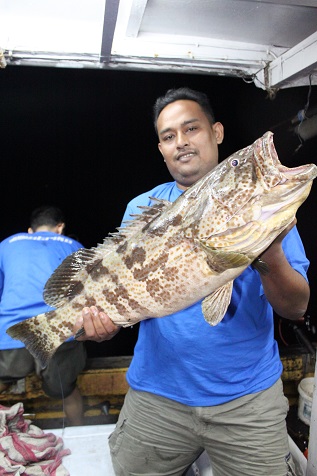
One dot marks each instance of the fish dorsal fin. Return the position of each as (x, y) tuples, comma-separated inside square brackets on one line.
[(67, 280), (157, 206), (147, 215), (220, 261), (215, 305)]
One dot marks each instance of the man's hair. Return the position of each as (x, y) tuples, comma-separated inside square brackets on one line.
[(173, 95), (46, 216)]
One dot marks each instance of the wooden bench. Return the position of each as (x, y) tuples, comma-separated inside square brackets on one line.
[(102, 384), (103, 387)]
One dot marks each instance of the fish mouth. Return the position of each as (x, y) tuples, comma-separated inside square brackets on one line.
[(272, 171), (301, 173)]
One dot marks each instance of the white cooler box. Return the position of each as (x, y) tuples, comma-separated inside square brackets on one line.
[(90, 453)]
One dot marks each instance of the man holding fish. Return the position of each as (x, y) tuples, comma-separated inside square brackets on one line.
[(194, 386)]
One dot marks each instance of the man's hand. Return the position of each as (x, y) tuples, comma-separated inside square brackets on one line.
[(276, 246), (97, 325), (286, 290)]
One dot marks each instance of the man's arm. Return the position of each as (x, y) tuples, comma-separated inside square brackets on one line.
[(285, 288)]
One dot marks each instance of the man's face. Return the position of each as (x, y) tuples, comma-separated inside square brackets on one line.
[(188, 142)]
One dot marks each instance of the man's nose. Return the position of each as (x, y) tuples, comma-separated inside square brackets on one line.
[(181, 140)]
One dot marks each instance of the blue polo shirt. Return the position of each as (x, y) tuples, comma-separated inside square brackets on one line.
[(26, 262), (183, 358)]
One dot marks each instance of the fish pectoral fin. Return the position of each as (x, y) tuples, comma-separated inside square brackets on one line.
[(220, 261), (215, 306), (261, 266)]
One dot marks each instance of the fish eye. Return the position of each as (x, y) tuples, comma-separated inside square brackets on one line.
[(234, 162)]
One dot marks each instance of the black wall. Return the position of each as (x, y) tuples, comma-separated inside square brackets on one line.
[(83, 140)]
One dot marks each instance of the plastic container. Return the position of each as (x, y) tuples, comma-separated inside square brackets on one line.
[(305, 390)]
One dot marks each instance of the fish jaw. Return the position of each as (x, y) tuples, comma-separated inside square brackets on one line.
[(271, 171), (287, 197), (280, 204)]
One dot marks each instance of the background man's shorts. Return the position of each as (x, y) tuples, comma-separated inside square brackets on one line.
[(60, 375)]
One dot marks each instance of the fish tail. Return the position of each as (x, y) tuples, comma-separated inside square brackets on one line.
[(40, 336)]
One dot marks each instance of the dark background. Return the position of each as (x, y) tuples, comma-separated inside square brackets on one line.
[(83, 140)]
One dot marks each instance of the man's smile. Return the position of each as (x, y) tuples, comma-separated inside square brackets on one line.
[(185, 156)]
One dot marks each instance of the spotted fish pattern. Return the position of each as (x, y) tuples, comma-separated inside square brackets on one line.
[(172, 255)]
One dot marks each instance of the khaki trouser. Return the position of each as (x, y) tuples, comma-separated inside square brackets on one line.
[(245, 437)]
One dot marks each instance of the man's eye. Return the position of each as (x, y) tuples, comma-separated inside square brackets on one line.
[(167, 138), (192, 128)]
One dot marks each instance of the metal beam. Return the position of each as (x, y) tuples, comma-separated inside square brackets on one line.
[(109, 25), (297, 61), (135, 17)]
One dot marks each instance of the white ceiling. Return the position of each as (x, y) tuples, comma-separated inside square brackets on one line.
[(273, 43)]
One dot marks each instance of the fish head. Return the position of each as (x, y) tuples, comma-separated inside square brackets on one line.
[(251, 190), (284, 188)]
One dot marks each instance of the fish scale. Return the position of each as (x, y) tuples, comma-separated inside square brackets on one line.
[(173, 255)]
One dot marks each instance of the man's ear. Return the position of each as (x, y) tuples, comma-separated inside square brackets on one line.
[(219, 131), (30, 230), (60, 228), (160, 149)]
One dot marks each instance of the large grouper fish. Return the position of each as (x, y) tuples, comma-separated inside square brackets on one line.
[(175, 254)]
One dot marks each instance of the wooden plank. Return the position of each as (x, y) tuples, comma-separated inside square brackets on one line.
[(101, 377), (103, 382)]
